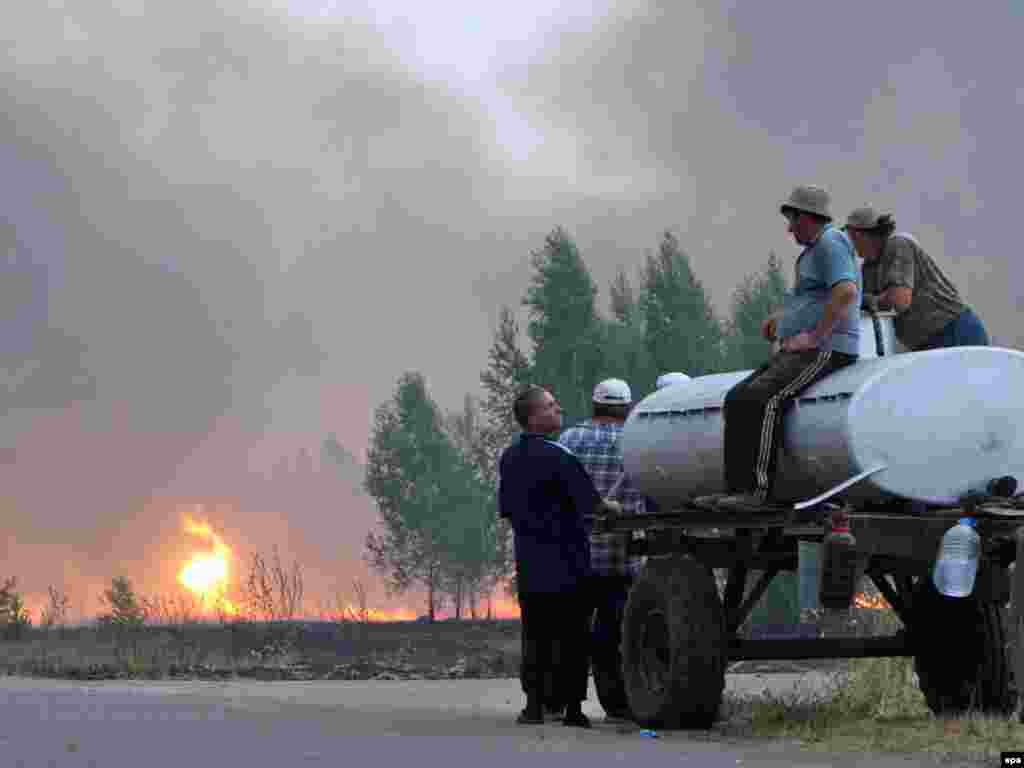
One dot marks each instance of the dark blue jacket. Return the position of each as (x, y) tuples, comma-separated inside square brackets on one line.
[(544, 491)]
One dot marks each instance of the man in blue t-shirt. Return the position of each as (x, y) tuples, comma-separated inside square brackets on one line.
[(819, 329)]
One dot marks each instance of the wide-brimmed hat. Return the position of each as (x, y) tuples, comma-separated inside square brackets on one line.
[(864, 217), (810, 199), (613, 392)]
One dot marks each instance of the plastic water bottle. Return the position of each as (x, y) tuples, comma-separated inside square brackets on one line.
[(957, 563), (839, 565)]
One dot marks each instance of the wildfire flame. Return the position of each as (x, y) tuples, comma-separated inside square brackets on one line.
[(861, 600), (207, 574)]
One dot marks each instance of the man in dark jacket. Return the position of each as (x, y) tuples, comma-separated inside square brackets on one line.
[(545, 493)]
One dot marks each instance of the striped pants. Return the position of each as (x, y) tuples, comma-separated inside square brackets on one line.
[(753, 415)]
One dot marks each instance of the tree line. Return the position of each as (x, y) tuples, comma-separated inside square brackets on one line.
[(433, 475)]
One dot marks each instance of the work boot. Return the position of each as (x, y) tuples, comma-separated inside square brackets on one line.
[(554, 710), (530, 718), (575, 718), (533, 713), (618, 715)]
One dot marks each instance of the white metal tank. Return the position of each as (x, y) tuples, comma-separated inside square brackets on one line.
[(941, 423)]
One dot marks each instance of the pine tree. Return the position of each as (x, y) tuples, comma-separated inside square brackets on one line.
[(564, 326), (754, 300), (508, 371), (681, 332), (625, 352)]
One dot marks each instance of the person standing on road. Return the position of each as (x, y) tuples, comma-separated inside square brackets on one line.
[(596, 442), (900, 275), (820, 333), (545, 493)]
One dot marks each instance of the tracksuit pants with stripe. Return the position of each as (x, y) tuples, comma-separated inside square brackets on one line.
[(753, 415)]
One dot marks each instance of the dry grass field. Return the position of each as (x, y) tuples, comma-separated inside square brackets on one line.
[(297, 650)]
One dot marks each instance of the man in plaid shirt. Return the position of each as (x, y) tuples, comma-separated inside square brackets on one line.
[(595, 442)]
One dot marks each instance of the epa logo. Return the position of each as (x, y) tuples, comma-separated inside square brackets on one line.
[(1013, 758)]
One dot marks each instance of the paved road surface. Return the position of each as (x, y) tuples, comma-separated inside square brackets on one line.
[(366, 724)]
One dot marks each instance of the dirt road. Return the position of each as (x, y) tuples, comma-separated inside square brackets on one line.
[(374, 724)]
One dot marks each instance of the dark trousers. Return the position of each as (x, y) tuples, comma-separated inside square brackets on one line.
[(610, 593), (753, 415), (556, 645), (966, 330)]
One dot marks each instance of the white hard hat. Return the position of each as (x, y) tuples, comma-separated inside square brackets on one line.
[(613, 392), (667, 379)]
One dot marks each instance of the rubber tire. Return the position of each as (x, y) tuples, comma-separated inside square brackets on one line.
[(961, 656), (678, 596)]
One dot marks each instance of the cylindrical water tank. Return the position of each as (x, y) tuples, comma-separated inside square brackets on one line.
[(942, 423)]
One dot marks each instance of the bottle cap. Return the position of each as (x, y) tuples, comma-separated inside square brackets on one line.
[(840, 521), (968, 521)]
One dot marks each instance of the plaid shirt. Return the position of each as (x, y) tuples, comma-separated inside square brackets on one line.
[(596, 445)]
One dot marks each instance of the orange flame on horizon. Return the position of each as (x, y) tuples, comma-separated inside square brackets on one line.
[(861, 600), (207, 574)]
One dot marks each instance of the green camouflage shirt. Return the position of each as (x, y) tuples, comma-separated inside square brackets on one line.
[(935, 301)]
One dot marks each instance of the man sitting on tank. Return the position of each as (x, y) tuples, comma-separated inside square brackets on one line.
[(819, 330), (899, 275)]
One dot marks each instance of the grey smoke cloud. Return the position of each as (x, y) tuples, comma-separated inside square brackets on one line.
[(728, 105), (217, 208), (228, 229)]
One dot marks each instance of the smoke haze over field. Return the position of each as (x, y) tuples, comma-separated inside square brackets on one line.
[(230, 228)]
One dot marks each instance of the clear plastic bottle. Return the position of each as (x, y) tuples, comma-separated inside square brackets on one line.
[(957, 563)]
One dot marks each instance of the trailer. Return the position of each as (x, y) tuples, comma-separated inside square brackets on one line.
[(903, 464)]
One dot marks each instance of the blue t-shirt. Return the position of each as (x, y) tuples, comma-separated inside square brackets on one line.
[(831, 259)]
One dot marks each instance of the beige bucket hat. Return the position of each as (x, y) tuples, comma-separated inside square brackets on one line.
[(809, 198), (864, 217)]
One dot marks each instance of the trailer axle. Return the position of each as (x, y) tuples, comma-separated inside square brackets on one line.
[(820, 648)]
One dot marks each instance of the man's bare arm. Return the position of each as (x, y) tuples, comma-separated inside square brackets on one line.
[(842, 296)]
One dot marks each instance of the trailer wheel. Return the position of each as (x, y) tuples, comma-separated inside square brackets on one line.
[(674, 645), (961, 656)]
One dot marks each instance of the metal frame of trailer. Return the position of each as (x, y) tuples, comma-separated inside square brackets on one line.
[(680, 633)]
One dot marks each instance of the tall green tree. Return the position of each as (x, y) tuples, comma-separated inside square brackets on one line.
[(432, 503), (508, 371), (480, 559), (755, 299), (625, 352), (403, 468), (564, 326), (681, 332)]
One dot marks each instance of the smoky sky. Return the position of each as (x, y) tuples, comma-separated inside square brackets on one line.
[(228, 229)]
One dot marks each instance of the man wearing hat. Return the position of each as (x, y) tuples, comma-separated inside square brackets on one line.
[(900, 275), (819, 330), (596, 443)]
